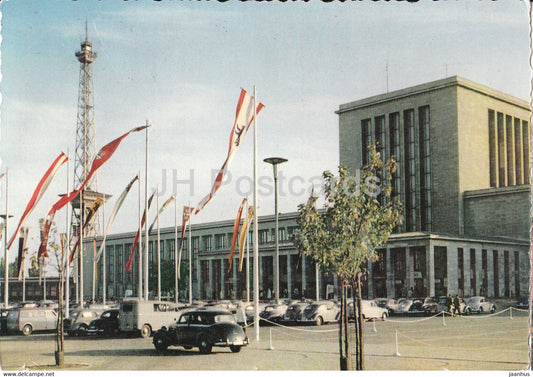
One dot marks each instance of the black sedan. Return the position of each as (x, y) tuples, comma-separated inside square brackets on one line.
[(106, 325), (203, 329)]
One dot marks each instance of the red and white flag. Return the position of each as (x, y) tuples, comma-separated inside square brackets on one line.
[(163, 207), (39, 192), (136, 241), (187, 211), (101, 157), (235, 235), (243, 119), (117, 206)]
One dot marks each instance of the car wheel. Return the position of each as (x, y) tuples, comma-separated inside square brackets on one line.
[(492, 309), (159, 343), (146, 331), (384, 316), (468, 311), (204, 345), (235, 349), (319, 321), (82, 331), (480, 310), (188, 347), (27, 330)]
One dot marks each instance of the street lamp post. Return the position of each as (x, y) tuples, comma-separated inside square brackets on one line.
[(275, 161)]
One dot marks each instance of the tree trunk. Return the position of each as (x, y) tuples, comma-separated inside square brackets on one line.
[(343, 355), (346, 328), (59, 355), (359, 327)]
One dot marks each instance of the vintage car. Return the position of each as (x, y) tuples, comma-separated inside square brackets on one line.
[(106, 325), (319, 312), (273, 313), (294, 310), (79, 319), (203, 329), (403, 306), (479, 304), (441, 306), (430, 305), (28, 320), (369, 310), (522, 303)]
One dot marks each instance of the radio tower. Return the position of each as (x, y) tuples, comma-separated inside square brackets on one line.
[(85, 152)]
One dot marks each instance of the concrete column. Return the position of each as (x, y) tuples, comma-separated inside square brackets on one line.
[(289, 275), (430, 261), (451, 261), (209, 291), (490, 273), (512, 288), (319, 282), (408, 273), (388, 270), (235, 285), (222, 284)]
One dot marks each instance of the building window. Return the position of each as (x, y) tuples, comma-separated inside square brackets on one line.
[(120, 263), (207, 242), (220, 241), (366, 129), (519, 169), (501, 150), (460, 270), (441, 270), (506, 274), (410, 171), (425, 168), (492, 150), (517, 274), (525, 147), (473, 271), (263, 236), (395, 152), (485, 273), (509, 137), (496, 272)]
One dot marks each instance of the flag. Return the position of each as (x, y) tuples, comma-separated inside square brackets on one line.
[(101, 157), (243, 119), (165, 205), (90, 214), (243, 234), (39, 192), (117, 206), (236, 224), (22, 250), (187, 211), (136, 241)]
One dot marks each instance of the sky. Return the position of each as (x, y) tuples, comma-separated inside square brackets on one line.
[(180, 65)]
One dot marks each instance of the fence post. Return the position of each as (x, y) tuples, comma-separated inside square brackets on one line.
[(397, 353), (443, 321), (271, 346), (374, 325), (511, 312)]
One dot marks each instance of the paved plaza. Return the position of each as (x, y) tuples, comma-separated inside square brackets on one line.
[(480, 342)]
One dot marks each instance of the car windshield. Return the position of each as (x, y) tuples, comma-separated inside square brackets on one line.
[(224, 318)]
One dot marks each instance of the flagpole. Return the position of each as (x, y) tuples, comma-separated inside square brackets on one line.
[(80, 253), (247, 265), (104, 273), (146, 209), (158, 250), (176, 249), (6, 263), (190, 259), (67, 267), (94, 267), (140, 272), (256, 243)]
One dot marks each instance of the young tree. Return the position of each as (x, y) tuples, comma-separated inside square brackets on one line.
[(168, 274), (359, 215)]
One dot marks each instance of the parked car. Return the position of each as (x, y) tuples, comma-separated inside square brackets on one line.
[(388, 303), (3, 320), (79, 319), (392, 305), (369, 310), (203, 329), (479, 304), (273, 313), (430, 305), (523, 303), (28, 320), (417, 307), (249, 310), (319, 313), (403, 306), (293, 311), (107, 324), (441, 306)]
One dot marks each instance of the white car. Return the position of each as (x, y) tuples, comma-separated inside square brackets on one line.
[(479, 304), (369, 309)]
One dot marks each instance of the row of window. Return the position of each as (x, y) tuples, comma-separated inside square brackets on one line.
[(223, 240), (508, 150), (406, 138)]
